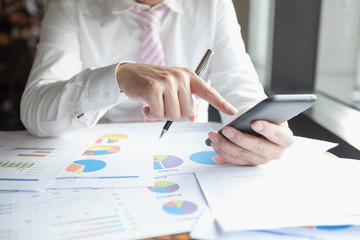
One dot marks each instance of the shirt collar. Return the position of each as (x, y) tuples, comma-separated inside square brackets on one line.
[(124, 5)]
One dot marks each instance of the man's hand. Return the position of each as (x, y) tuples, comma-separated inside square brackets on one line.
[(167, 90), (246, 149)]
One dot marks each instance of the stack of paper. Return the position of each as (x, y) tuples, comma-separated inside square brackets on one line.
[(117, 181), (171, 206), (207, 228), (283, 198)]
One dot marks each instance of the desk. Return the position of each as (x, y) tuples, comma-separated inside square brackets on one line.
[(183, 236), (302, 125)]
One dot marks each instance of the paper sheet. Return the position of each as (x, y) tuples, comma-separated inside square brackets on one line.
[(171, 206), (30, 163), (183, 150), (119, 155), (206, 228), (308, 190), (123, 155)]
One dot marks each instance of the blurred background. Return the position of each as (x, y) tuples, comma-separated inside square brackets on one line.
[(296, 46), (303, 45), (19, 33)]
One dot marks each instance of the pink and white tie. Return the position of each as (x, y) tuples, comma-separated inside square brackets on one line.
[(152, 51)]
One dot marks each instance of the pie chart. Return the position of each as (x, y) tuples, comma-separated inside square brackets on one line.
[(101, 150), (180, 207), (111, 138), (166, 161), (207, 158), (164, 187), (83, 166)]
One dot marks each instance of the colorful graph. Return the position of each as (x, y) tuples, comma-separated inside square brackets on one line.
[(63, 199), (89, 227), (16, 165), (111, 138), (166, 161), (180, 207), (83, 166), (314, 232), (164, 187), (101, 150), (331, 228), (32, 152), (208, 158)]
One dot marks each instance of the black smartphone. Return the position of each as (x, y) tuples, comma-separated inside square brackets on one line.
[(275, 109)]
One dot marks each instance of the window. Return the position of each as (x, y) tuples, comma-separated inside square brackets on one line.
[(338, 61), (311, 46)]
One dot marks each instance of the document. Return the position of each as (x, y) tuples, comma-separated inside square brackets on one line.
[(118, 155), (171, 206), (119, 181), (312, 189), (183, 150), (207, 228), (30, 163)]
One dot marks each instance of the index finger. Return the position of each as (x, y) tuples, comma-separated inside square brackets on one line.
[(208, 93)]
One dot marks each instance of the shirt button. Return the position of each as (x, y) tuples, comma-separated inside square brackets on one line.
[(106, 95)]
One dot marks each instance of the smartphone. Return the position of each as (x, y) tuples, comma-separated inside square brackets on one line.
[(275, 109)]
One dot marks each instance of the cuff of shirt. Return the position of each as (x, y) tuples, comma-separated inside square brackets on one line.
[(103, 94), (103, 88), (117, 68)]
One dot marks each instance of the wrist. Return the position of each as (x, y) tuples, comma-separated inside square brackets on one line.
[(118, 72)]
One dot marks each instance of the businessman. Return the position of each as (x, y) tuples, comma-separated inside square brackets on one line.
[(131, 60)]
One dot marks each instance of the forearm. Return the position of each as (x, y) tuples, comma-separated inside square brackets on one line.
[(51, 108)]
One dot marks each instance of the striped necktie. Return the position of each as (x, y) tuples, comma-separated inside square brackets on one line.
[(152, 51)]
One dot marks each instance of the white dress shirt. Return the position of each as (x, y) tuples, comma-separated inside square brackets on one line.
[(72, 83)]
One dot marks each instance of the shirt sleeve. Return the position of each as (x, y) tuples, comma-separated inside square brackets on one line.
[(60, 95), (232, 73)]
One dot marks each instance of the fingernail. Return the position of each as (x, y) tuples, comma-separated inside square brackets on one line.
[(213, 137), (258, 126), (232, 108), (228, 133)]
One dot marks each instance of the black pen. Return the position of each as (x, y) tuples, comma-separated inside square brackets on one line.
[(199, 70)]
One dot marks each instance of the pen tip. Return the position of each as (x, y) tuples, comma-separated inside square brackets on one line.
[(162, 133)]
